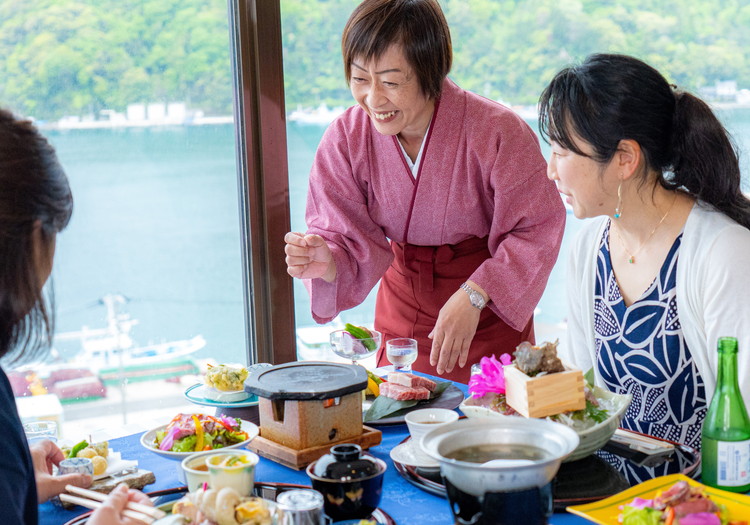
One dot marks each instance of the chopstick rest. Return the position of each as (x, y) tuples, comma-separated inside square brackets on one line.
[(134, 510)]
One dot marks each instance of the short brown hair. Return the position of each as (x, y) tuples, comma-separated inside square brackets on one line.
[(419, 26)]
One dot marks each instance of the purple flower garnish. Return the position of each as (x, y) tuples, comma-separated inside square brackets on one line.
[(228, 421), (492, 378)]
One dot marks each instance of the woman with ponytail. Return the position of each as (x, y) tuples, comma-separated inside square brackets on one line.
[(662, 272)]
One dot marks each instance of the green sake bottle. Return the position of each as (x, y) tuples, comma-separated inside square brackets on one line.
[(725, 440)]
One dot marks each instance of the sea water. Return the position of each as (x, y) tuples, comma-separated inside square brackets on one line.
[(156, 219)]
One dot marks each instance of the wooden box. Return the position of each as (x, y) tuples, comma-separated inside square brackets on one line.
[(299, 459), (302, 424), (545, 395)]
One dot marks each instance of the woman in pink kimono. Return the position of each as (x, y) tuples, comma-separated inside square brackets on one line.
[(437, 192)]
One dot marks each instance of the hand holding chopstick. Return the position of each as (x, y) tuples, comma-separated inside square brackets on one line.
[(94, 500)]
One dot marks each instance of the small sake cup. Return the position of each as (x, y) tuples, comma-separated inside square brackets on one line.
[(76, 466)]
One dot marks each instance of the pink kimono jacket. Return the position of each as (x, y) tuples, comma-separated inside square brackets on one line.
[(482, 175)]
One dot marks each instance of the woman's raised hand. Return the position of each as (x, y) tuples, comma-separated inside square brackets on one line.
[(309, 257)]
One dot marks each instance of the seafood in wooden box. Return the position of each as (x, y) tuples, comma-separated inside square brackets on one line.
[(544, 395)]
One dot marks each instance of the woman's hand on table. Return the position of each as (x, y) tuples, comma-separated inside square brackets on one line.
[(454, 330), (110, 513), (309, 257), (44, 455)]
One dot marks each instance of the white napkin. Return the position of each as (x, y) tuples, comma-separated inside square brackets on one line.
[(116, 464)]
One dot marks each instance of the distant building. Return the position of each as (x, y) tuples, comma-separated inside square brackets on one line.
[(721, 91)]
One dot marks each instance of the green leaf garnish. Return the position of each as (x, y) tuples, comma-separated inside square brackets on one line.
[(384, 406)]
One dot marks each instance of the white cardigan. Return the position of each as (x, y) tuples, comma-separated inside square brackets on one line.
[(713, 293)]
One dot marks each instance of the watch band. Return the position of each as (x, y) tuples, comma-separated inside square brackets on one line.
[(476, 299)]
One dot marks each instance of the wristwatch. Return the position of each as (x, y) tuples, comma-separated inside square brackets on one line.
[(477, 301)]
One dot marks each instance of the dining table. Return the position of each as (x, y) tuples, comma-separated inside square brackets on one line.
[(404, 502)]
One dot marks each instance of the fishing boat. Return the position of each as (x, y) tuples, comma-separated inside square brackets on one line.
[(108, 356), (115, 357)]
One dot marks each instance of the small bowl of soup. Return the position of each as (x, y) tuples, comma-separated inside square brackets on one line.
[(194, 470)]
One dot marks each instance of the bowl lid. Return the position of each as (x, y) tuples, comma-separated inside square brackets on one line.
[(345, 462), (307, 380)]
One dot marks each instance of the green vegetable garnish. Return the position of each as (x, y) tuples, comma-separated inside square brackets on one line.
[(384, 406), (359, 332), (77, 448)]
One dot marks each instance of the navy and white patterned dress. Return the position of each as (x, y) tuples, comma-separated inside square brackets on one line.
[(640, 350)]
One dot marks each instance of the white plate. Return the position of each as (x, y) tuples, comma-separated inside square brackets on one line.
[(408, 453), (196, 394), (116, 464), (148, 440)]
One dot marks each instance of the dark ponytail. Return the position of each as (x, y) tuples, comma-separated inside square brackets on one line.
[(609, 98), (704, 159)]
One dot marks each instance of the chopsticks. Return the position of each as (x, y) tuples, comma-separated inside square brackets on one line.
[(136, 511), (642, 443)]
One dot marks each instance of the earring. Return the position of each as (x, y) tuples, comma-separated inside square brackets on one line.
[(618, 209)]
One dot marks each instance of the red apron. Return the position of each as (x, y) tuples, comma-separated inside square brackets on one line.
[(417, 285)]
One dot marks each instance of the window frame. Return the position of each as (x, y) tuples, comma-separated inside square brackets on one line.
[(263, 178)]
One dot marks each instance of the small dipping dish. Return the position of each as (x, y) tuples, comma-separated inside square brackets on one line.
[(424, 420)]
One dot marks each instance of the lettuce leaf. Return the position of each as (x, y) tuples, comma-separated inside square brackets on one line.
[(644, 516), (186, 444)]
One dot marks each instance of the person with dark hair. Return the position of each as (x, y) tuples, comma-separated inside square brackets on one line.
[(662, 273), (437, 192), (35, 204)]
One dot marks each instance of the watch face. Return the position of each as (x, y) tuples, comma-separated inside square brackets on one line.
[(477, 299)]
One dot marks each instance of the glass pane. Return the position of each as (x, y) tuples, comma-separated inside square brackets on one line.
[(137, 100), (508, 51)]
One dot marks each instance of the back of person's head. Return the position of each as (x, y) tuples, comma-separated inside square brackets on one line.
[(418, 26), (609, 98), (35, 203)]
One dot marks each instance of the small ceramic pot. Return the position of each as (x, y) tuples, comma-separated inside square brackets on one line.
[(76, 466), (351, 482)]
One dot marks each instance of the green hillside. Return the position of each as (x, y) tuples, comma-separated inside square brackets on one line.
[(78, 57)]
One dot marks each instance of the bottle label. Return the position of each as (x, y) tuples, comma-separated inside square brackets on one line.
[(733, 465)]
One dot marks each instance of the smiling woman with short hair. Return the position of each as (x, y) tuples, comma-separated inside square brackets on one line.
[(436, 192)]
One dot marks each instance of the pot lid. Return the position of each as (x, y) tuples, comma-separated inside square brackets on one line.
[(307, 380), (345, 462)]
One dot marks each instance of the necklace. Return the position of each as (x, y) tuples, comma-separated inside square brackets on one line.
[(631, 258)]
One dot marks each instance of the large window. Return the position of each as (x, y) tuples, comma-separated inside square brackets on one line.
[(137, 98), (508, 51)]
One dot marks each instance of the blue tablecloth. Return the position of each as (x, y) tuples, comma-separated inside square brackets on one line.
[(404, 502)]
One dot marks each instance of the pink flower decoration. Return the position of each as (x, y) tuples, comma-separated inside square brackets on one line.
[(492, 378)]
